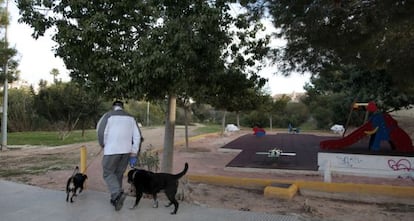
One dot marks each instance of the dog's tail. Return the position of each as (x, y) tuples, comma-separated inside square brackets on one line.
[(182, 173), (76, 170)]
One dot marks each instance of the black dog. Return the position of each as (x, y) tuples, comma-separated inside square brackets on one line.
[(74, 183), (152, 183)]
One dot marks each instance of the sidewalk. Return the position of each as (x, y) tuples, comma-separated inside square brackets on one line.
[(24, 202)]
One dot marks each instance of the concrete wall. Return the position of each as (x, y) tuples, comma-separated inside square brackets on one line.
[(366, 165)]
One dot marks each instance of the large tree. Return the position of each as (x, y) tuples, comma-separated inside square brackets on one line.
[(338, 89), (238, 87), (64, 105), (375, 36), (134, 49)]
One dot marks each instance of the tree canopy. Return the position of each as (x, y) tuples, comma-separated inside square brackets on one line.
[(376, 36), (6, 53), (135, 49)]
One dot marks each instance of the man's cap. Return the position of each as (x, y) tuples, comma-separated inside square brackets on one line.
[(118, 103)]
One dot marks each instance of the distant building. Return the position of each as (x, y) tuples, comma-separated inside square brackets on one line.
[(294, 96), (19, 84)]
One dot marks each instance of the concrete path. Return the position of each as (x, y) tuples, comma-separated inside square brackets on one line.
[(23, 202)]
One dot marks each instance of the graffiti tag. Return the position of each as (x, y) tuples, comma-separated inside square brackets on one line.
[(349, 161), (402, 164)]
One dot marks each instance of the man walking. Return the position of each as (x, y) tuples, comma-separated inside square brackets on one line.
[(119, 135)]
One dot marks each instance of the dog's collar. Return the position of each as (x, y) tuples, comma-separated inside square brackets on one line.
[(133, 174)]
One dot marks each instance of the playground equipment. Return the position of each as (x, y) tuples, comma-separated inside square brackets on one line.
[(356, 106), (380, 127), (258, 131), (292, 129), (275, 153)]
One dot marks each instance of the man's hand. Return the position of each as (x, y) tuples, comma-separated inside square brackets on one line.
[(133, 160)]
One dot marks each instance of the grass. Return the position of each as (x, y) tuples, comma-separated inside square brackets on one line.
[(208, 128), (49, 138)]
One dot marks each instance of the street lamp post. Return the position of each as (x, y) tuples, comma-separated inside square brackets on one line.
[(5, 92)]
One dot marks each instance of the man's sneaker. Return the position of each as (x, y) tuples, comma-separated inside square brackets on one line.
[(119, 201)]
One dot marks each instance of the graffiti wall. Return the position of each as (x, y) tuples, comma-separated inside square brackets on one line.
[(367, 165)]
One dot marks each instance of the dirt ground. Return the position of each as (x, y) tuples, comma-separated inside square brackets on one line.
[(50, 167)]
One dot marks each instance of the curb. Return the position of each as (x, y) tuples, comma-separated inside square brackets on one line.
[(273, 187), (285, 191), (385, 190)]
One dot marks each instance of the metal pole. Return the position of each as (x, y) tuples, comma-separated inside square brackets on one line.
[(5, 92), (148, 106)]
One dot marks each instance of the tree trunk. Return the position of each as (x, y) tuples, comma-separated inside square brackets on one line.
[(167, 155), (186, 125), (148, 113), (223, 122), (271, 122), (238, 119)]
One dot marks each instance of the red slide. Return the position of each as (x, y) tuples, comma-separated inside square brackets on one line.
[(398, 137), (348, 140), (401, 141)]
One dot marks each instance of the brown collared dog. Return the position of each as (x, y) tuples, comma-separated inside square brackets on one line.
[(152, 183)]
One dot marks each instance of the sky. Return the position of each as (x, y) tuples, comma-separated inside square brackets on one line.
[(37, 59), (35, 56)]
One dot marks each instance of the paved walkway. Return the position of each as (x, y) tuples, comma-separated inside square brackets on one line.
[(23, 202)]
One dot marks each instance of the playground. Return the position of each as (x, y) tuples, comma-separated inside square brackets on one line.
[(378, 147), (305, 148)]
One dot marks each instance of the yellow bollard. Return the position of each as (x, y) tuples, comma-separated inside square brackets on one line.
[(83, 157)]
